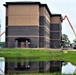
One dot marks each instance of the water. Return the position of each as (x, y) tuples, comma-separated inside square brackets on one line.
[(68, 68), (2, 65), (22, 66)]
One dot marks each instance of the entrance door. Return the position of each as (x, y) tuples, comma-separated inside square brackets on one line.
[(23, 45)]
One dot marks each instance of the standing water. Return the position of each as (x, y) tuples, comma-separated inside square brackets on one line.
[(2, 66), (24, 66), (68, 68)]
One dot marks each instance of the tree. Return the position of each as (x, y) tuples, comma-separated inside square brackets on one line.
[(2, 44), (66, 39), (74, 40)]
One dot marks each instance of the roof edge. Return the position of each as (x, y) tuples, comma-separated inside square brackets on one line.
[(27, 2), (58, 15)]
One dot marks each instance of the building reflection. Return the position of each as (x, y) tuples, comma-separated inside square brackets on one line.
[(24, 66)]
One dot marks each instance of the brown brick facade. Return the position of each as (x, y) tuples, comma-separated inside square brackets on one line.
[(34, 21)]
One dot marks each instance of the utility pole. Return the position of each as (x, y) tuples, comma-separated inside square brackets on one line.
[(0, 30)]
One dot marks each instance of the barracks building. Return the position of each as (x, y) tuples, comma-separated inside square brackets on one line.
[(32, 25)]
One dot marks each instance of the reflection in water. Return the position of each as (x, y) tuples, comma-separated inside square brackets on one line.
[(27, 66), (68, 68), (2, 65)]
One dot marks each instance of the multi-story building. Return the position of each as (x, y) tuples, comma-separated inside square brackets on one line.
[(31, 24)]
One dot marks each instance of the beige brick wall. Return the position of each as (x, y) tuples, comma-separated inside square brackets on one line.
[(55, 20), (23, 15), (44, 12)]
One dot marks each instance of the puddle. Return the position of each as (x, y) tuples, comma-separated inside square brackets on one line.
[(2, 66), (68, 68), (27, 66)]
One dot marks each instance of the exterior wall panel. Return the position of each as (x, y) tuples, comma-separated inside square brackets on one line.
[(34, 42), (41, 42), (55, 20), (44, 23), (55, 35), (23, 31), (55, 27), (44, 12), (55, 43), (23, 21), (44, 30), (22, 15), (41, 31), (23, 9), (31, 33), (41, 11), (47, 15)]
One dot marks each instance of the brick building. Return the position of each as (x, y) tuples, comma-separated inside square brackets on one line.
[(31, 24)]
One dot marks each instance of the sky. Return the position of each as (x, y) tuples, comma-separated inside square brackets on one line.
[(68, 68), (63, 7), (2, 65)]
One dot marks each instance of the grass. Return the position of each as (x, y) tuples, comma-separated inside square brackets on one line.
[(39, 54), (42, 74)]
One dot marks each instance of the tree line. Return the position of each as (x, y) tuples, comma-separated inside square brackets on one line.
[(67, 41)]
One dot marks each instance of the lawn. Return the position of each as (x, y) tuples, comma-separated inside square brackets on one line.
[(42, 74), (39, 54)]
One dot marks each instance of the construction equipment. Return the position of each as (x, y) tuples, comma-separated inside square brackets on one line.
[(66, 17), (2, 33)]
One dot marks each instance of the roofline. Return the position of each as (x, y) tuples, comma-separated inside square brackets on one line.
[(47, 8), (27, 3), (58, 15), (22, 2), (32, 3)]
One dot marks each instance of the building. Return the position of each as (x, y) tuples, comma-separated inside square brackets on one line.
[(31, 24)]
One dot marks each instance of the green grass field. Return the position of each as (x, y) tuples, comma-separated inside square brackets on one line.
[(43, 74), (39, 54)]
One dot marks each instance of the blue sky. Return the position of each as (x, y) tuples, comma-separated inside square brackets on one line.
[(67, 7)]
